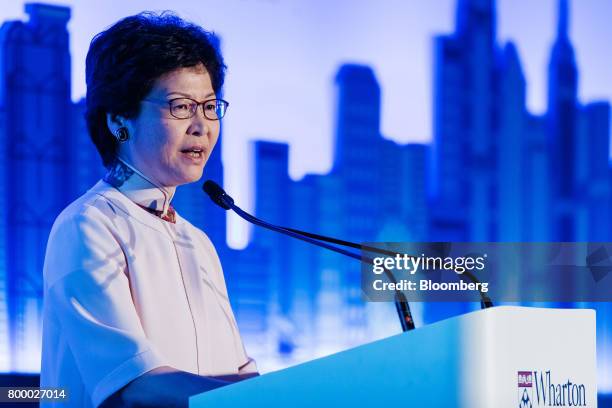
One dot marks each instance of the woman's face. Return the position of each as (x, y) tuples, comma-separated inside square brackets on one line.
[(160, 145)]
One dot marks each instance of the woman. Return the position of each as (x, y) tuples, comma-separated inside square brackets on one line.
[(136, 309)]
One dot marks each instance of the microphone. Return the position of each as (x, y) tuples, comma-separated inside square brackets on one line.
[(223, 200), (218, 195)]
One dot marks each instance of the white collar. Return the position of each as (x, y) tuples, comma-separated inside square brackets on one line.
[(138, 187)]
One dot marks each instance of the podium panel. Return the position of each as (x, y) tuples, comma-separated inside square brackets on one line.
[(499, 357)]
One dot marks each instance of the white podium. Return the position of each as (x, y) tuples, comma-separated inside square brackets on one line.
[(500, 357)]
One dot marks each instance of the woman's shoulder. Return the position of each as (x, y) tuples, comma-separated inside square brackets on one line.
[(83, 233), (91, 205)]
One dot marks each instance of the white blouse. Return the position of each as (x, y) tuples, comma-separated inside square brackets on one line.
[(126, 292)]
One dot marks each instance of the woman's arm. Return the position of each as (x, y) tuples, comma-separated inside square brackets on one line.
[(166, 387)]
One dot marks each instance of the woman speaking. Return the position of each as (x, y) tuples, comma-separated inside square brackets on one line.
[(136, 311)]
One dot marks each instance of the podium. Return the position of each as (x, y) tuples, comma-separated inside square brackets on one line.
[(505, 356)]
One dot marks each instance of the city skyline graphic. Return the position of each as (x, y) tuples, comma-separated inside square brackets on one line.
[(493, 172)]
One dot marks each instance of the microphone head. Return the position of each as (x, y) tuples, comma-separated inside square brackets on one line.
[(218, 195)]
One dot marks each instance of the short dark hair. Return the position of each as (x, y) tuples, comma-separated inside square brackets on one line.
[(124, 61)]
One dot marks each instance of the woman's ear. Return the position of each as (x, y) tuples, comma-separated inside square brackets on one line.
[(114, 122), (118, 127)]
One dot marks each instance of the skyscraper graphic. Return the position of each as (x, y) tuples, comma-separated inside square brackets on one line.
[(273, 201), (368, 173), (36, 143), (357, 167), (562, 117), (465, 93), (510, 147), (272, 183)]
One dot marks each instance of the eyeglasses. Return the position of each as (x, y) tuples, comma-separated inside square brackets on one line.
[(186, 108)]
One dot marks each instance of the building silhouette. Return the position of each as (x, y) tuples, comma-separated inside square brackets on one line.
[(37, 162), (465, 89), (562, 123)]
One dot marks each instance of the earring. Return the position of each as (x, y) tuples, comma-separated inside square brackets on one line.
[(122, 134)]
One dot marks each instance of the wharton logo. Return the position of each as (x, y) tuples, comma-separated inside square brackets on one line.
[(525, 389), (536, 389)]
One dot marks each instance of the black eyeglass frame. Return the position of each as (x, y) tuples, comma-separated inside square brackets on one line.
[(197, 105)]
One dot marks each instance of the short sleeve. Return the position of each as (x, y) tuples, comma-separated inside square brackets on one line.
[(250, 367), (88, 291)]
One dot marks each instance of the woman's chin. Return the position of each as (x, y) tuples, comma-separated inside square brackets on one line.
[(192, 176), (182, 178)]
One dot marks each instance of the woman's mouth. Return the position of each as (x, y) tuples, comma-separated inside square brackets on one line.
[(194, 153)]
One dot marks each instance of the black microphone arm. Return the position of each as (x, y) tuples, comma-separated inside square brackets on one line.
[(218, 194), (223, 200)]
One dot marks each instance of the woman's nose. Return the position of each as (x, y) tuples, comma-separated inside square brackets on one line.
[(200, 125)]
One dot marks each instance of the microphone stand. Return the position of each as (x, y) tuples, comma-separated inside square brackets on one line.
[(220, 198), (401, 303)]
